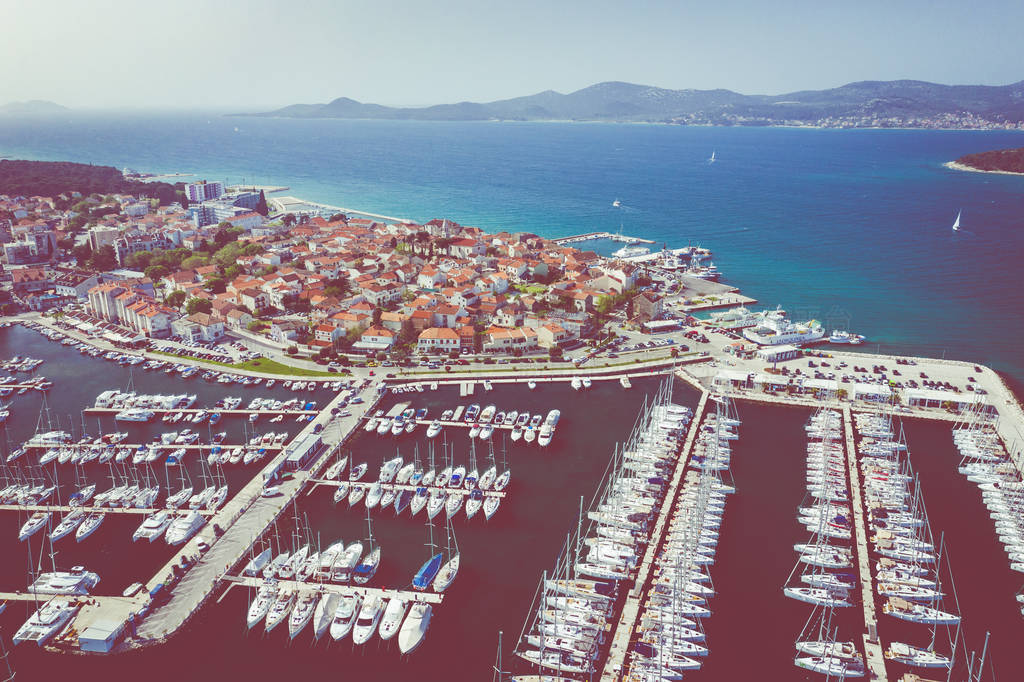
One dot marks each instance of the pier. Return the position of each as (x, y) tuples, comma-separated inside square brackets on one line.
[(622, 634), (31, 508), (588, 236), (873, 657), (398, 487)]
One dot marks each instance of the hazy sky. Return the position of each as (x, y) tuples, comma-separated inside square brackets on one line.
[(263, 53)]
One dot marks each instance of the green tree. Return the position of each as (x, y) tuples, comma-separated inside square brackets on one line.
[(233, 271), (156, 272), (193, 262), (555, 352), (82, 252), (216, 285), (256, 326), (261, 205), (175, 298), (103, 258), (198, 305), (289, 219), (337, 287)]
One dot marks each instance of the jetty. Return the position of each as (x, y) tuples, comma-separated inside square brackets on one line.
[(622, 633), (874, 658), (588, 236), (407, 596)]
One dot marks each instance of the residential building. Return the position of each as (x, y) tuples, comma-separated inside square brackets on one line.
[(437, 340), (198, 192)]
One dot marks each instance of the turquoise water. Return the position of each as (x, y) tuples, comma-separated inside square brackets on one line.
[(851, 227)]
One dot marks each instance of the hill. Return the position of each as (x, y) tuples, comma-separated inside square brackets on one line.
[(52, 178), (1003, 160), (35, 107), (862, 104)]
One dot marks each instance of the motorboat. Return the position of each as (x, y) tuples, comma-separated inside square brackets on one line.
[(323, 616), (345, 615), (367, 568), (184, 527), (153, 527), (414, 629), (369, 616), (434, 429), (391, 621)]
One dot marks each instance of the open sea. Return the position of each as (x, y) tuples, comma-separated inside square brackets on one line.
[(850, 227)]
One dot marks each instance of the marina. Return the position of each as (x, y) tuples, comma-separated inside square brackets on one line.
[(248, 518)]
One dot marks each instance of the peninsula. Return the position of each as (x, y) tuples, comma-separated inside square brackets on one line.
[(1007, 161)]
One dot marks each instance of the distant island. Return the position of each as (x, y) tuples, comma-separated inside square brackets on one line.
[(35, 107), (1009, 161), (866, 104)]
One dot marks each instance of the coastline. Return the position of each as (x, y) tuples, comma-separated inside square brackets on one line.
[(953, 165)]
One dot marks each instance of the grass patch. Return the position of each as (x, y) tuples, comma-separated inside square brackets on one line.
[(261, 365)]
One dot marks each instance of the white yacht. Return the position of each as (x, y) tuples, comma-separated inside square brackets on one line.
[(153, 527), (366, 623), (838, 336), (47, 621), (736, 318), (135, 415), (89, 525), (302, 613), (446, 576), (414, 628), (280, 609), (35, 522), (76, 581), (434, 429), (345, 615), (184, 527), (392, 619), (631, 251)]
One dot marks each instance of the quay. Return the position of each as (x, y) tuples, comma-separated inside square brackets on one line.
[(243, 519), (622, 634), (342, 589), (873, 657), (292, 204)]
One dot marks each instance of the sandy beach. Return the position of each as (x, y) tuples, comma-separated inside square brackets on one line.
[(961, 167)]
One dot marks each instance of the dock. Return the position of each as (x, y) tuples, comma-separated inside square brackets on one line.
[(32, 508), (622, 634), (157, 411), (873, 657), (342, 589), (398, 487), (588, 236)]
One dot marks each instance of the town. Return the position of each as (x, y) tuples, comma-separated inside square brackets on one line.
[(324, 288)]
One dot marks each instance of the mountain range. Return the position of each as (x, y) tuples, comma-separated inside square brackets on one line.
[(618, 101)]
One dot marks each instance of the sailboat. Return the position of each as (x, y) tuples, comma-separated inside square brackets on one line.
[(367, 568), (428, 571), (712, 159), (956, 223), (450, 569)]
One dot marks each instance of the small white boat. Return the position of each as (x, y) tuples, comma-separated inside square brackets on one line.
[(391, 621), (369, 617), (345, 615)]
